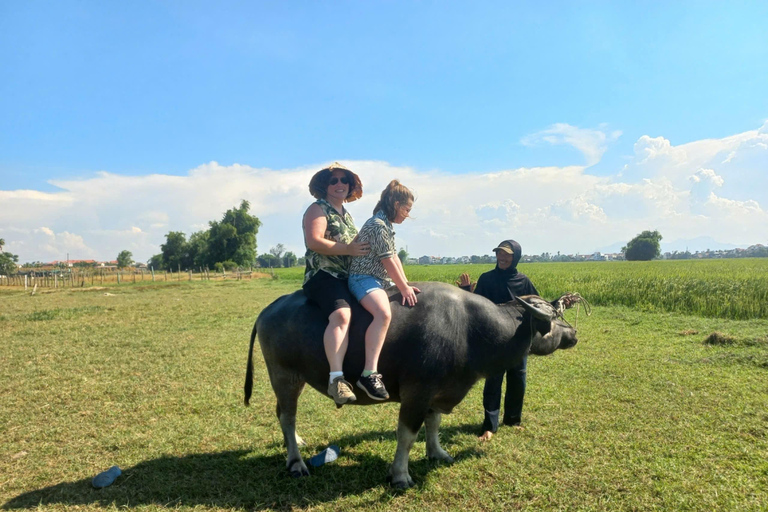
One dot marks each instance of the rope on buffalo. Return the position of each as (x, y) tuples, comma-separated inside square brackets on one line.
[(567, 301)]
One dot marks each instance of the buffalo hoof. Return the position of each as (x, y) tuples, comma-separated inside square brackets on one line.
[(442, 457), (401, 483), (298, 469)]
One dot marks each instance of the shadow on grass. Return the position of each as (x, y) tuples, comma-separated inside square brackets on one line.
[(237, 478)]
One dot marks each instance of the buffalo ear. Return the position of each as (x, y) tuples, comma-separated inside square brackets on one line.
[(539, 311)]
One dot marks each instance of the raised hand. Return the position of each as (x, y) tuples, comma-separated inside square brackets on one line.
[(463, 280)]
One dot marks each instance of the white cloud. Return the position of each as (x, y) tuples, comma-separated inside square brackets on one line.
[(707, 176), (712, 188), (504, 211), (592, 143)]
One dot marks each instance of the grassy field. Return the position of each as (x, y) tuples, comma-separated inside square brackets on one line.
[(728, 288), (643, 414)]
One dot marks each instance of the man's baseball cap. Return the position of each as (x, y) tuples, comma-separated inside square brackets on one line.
[(506, 246)]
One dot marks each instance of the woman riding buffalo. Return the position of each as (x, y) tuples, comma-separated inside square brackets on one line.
[(330, 238)]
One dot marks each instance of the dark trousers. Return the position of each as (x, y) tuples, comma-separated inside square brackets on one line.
[(513, 401)]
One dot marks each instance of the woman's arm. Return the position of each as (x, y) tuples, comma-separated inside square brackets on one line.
[(395, 271), (315, 225)]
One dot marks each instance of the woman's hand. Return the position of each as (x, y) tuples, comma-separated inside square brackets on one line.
[(409, 295), (358, 248)]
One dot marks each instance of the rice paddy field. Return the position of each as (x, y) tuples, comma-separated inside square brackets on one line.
[(661, 405), (732, 288)]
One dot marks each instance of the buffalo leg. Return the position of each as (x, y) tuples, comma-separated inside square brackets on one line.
[(431, 426), (299, 440), (287, 388), (408, 426)]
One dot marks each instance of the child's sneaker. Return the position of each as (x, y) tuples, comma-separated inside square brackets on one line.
[(373, 386)]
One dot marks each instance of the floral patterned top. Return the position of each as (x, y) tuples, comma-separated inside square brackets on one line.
[(340, 229)]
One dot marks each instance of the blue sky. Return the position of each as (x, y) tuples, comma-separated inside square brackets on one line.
[(588, 121)]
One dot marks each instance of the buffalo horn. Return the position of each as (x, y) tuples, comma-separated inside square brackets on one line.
[(539, 312)]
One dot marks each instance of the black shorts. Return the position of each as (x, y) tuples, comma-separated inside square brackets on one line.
[(328, 292)]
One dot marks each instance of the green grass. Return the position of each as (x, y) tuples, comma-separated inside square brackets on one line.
[(727, 288), (641, 415)]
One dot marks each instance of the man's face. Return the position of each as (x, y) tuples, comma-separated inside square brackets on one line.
[(504, 259)]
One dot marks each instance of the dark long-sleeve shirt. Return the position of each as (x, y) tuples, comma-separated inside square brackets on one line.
[(501, 286)]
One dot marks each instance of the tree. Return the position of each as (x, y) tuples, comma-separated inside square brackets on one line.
[(9, 264), (124, 259), (225, 265), (2, 244), (175, 251), (644, 247), (197, 249), (403, 255), (277, 251), (289, 259), (156, 262), (234, 237), (268, 261)]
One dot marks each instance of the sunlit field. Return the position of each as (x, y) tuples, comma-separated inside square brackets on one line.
[(660, 406), (727, 288)]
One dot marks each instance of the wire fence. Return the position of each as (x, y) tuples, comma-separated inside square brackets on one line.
[(75, 278)]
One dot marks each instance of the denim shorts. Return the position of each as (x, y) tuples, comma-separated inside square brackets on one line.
[(362, 284)]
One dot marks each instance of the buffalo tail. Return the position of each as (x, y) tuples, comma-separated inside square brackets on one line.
[(249, 369)]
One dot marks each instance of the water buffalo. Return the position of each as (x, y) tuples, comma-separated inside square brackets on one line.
[(433, 354)]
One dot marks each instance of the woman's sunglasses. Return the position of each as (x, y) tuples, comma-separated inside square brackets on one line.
[(335, 180)]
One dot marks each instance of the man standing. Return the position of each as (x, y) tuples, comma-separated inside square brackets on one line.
[(500, 285)]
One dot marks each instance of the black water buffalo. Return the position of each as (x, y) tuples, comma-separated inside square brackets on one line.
[(433, 354)]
